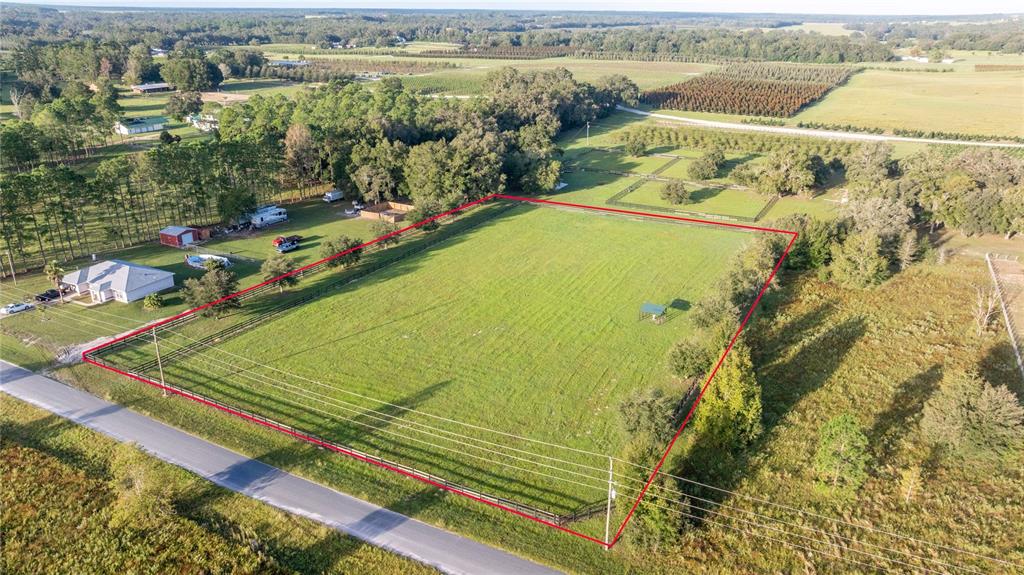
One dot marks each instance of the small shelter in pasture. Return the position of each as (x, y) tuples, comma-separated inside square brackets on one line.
[(652, 311), (178, 236)]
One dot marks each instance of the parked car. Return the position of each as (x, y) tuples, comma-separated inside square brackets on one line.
[(333, 196), (48, 295), (285, 247), (284, 239), (13, 308), (357, 205), (352, 212)]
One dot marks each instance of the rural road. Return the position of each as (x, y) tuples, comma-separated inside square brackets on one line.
[(436, 547), (829, 134)]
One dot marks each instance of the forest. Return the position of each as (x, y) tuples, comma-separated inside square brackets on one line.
[(377, 143)]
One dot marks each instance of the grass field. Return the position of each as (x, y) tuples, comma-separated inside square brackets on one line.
[(709, 200), (988, 103), (718, 196), (62, 512), (468, 76), (527, 324)]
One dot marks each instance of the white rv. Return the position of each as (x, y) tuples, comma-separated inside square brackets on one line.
[(267, 215)]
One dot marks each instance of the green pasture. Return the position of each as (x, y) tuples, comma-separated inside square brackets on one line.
[(680, 169), (613, 161), (707, 199), (591, 188), (525, 324)]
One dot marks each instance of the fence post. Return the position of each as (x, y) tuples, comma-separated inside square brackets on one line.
[(159, 363), (608, 510)]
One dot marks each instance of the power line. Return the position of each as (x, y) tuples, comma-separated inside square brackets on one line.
[(812, 529), (296, 390), (95, 322), (391, 419)]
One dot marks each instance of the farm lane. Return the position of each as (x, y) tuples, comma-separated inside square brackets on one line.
[(375, 525)]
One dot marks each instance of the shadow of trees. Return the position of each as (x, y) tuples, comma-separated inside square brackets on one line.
[(820, 347)]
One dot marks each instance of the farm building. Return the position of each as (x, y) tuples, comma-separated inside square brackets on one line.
[(130, 126), (203, 122), (178, 236), (387, 211), (151, 88), (118, 280), (289, 63)]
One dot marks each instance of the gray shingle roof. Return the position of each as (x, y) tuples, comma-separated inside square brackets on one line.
[(116, 274)]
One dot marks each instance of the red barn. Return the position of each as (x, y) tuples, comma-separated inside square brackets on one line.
[(178, 236)]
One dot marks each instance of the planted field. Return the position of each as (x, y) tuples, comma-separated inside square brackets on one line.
[(759, 89), (526, 325)]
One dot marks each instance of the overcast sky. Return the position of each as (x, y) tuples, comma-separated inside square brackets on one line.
[(777, 6)]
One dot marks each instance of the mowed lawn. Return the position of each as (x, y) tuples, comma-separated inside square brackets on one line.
[(986, 103), (527, 325)]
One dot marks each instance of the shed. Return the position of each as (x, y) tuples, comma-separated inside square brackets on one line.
[(151, 88), (655, 312), (130, 126), (178, 236), (118, 280)]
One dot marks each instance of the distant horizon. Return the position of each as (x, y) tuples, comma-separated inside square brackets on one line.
[(866, 8)]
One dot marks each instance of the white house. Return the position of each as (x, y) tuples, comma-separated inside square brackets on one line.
[(118, 280)]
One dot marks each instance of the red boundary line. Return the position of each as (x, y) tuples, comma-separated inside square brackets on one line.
[(315, 441)]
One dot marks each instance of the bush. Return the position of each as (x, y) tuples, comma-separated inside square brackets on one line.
[(970, 418), (858, 262), (215, 284), (152, 302), (343, 243), (690, 358), (675, 193), (649, 414), (702, 169), (382, 228), (842, 454)]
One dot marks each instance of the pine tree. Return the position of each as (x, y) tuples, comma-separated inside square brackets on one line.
[(907, 252)]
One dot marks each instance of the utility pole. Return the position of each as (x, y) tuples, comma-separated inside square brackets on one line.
[(14, 276), (608, 512), (159, 363)]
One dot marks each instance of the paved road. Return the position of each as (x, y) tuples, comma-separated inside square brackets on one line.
[(436, 547), (829, 134)]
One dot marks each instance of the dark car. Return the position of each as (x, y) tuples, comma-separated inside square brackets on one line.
[(48, 295)]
